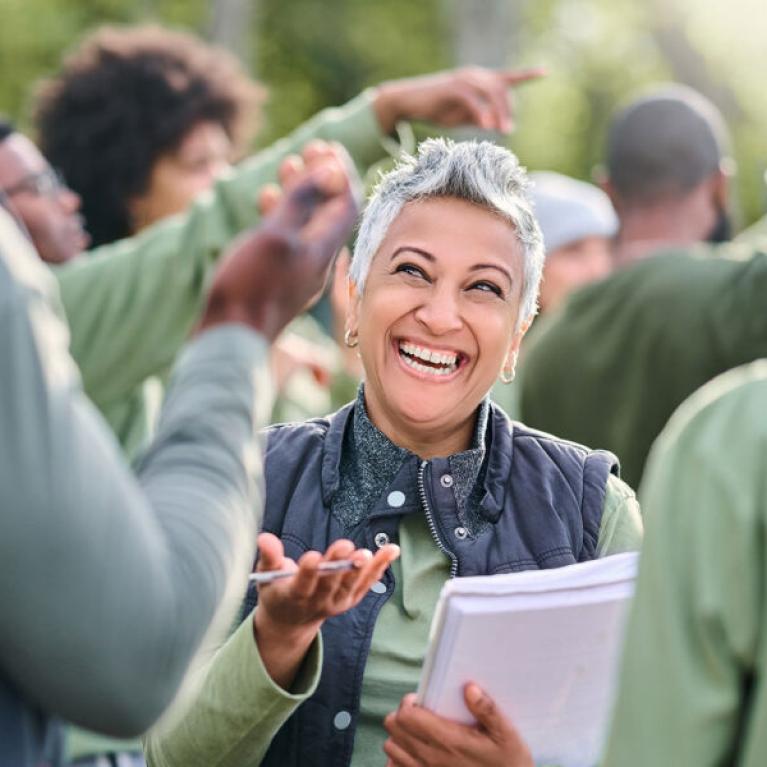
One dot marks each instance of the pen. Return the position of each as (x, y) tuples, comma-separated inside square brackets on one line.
[(323, 567)]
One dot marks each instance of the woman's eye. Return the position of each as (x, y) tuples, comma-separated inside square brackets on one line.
[(487, 287), (412, 269)]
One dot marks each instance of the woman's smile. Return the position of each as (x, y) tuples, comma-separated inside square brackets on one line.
[(428, 362)]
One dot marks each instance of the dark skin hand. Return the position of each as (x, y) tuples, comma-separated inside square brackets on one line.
[(420, 738), (272, 272), (291, 611)]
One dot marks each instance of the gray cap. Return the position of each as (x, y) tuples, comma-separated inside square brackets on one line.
[(665, 143), (569, 210)]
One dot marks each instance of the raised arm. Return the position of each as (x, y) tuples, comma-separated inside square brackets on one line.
[(108, 584)]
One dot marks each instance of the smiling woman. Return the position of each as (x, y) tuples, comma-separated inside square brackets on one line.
[(437, 321), (443, 285)]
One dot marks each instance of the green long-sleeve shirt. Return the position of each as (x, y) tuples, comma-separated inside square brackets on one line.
[(131, 304), (239, 709), (108, 583), (624, 353), (692, 689)]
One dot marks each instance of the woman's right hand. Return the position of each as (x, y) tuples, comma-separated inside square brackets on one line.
[(291, 611)]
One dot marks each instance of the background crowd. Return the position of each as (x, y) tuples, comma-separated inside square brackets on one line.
[(168, 230)]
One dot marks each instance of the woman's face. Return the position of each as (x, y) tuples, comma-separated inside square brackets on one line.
[(177, 178), (437, 318)]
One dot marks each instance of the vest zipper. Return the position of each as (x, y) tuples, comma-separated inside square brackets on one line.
[(430, 520)]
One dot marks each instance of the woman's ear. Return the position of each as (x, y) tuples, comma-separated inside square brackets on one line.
[(519, 334), (513, 352), (352, 306)]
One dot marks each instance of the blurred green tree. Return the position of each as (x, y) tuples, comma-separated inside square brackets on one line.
[(313, 53)]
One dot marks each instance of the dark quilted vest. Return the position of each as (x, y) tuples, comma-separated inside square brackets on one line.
[(543, 501)]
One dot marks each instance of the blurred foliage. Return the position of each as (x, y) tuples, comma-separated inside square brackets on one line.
[(312, 53), (322, 53)]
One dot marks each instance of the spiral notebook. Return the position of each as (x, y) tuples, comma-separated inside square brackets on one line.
[(545, 644)]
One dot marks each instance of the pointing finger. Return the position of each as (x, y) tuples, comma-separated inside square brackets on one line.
[(517, 76)]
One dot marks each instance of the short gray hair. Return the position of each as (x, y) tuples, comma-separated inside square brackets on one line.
[(478, 172)]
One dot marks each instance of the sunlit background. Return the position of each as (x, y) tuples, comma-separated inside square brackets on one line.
[(312, 53)]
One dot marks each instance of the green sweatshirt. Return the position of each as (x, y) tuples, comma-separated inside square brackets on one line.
[(692, 689), (610, 368)]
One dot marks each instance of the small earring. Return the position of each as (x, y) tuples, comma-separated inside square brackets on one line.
[(507, 373), (350, 338)]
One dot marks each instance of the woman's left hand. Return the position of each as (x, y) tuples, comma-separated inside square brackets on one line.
[(420, 738)]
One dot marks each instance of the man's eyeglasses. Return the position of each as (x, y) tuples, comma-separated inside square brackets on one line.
[(46, 183)]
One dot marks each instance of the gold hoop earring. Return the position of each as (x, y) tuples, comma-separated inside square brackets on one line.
[(507, 374), (350, 338)]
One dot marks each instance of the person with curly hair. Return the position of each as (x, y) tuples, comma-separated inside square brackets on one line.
[(163, 113)]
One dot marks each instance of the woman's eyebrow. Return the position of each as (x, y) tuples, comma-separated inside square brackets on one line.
[(412, 249), (505, 272)]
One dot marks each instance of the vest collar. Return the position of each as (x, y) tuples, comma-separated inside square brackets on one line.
[(495, 450)]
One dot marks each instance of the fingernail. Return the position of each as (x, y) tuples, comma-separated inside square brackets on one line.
[(473, 693)]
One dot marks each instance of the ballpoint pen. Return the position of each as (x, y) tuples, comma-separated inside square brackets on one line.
[(324, 567)]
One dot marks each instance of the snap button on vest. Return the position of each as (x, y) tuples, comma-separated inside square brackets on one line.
[(379, 587), (460, 533), (446, 480), (381, 539), (342, 720), (395, 499)]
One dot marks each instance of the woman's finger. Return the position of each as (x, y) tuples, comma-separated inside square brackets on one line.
[(304, 582), (271, 553), (498, 728), (345, 587), (418, 745), (374, 569), (326, 583), (343, 548), (398, 756)]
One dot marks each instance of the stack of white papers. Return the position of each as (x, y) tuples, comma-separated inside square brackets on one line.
[(544, 644)]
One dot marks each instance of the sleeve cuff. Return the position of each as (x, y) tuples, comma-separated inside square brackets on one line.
[(306, 680)]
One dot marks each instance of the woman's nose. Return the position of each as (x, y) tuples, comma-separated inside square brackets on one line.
[(440, 313)]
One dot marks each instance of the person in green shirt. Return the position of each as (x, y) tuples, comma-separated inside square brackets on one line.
[(110, 580), (692, 681), (611, 367), (443, 284)]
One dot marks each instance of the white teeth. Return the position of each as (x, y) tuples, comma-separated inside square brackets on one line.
[(424, 369), (428, 355)]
